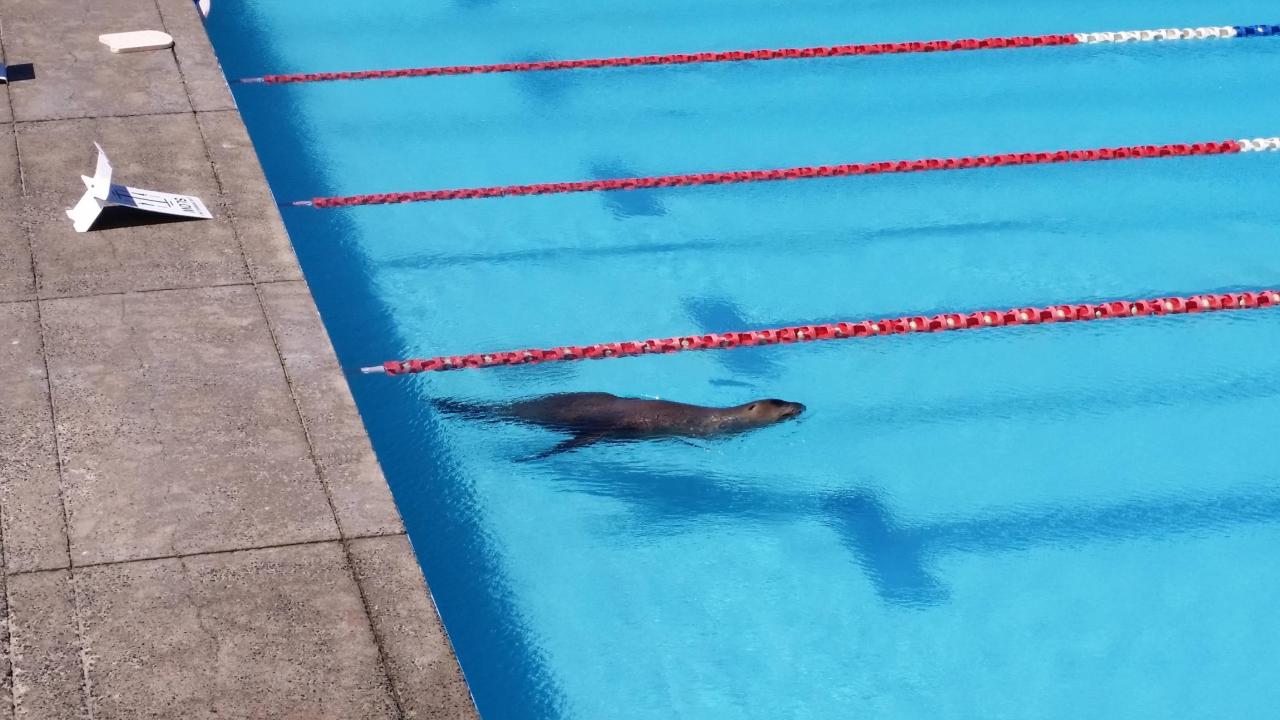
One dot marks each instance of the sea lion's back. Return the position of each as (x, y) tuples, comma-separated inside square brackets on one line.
[(571, 410)]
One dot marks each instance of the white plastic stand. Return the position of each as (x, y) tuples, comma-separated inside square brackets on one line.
[(101, 193), (137, 41)]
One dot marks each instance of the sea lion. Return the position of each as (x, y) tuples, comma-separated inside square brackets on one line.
[(596, 416)]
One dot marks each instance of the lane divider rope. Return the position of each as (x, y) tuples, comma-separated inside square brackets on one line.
[(810, 171), (840, 330), (1223, 32)]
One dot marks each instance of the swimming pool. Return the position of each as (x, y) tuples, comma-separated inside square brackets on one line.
[(1042, 522)]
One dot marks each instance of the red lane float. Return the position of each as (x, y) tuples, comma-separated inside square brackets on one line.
[(1127, 152), (892, 48), (842, 330), (1218, 32)]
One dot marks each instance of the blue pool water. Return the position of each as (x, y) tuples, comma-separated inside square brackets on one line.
[(1044, 522)]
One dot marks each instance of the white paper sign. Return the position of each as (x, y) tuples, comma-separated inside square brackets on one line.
[(152, 201), (101, 193)]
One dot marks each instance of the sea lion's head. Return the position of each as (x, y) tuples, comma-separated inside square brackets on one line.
[(763, 412)]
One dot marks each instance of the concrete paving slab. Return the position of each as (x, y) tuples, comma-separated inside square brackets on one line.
[(357, 488), (10, 186), (248, 199), (16, 279), (31, 516), (76, 76), (177, 430), (48, 679), (418, 654), (278, 633), (164, 153), (206, 85), (182, 429)]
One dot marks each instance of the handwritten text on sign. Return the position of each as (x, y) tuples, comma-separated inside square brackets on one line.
[(155, 201)]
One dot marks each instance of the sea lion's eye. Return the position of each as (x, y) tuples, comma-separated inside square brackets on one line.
[(751, 407)]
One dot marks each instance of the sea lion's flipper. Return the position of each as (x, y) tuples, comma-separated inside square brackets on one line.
[(572, 443)]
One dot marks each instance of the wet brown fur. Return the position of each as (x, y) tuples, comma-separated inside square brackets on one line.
[(596, 416)]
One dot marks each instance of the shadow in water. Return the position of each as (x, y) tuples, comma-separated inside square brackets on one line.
[(674, 499), (627, 203), (896, 557), (546, 87), (717, 315), (568, 254), (1070, 402), (546, 254)]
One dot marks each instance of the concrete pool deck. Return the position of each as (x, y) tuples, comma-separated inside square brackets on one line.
[(192, 520)]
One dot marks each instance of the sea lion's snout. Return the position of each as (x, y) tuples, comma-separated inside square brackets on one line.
[(773, 410), (790, 409)]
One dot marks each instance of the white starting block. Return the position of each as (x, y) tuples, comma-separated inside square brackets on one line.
[(102, 193), (137, 41)]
